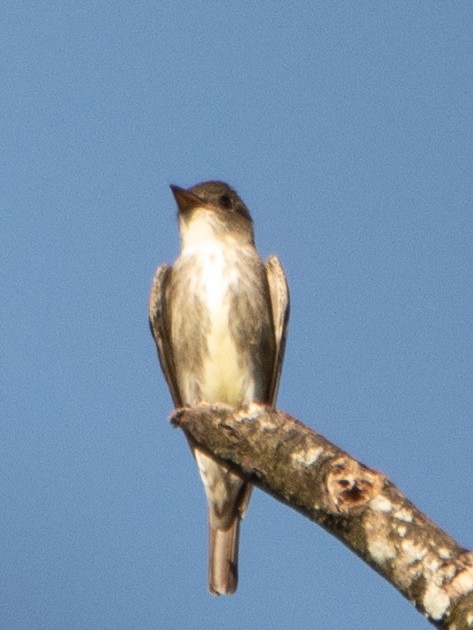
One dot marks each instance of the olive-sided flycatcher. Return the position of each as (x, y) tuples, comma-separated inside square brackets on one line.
[(219, 317)]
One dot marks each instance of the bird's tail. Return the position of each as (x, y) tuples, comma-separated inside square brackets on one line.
[(223, 558)]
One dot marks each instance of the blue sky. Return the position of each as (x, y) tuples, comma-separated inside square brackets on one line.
[(347, 129)]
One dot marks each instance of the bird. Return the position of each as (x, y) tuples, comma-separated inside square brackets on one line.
[(219, 319)]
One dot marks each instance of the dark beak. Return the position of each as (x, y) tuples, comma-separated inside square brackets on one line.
[(185, 200)]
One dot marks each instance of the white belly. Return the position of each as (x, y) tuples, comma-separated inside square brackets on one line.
[(224, 378)]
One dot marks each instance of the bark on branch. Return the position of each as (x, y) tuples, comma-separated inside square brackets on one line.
[(358, 505)]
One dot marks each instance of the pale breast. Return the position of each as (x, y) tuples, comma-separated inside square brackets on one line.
[(223, 315)]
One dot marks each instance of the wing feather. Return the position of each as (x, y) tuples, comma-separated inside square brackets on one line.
[(279, 293), (159, 322)]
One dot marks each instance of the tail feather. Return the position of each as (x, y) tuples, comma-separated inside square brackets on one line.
[(223, 559)]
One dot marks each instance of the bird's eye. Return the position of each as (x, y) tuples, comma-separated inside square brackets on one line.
[(225, 201)]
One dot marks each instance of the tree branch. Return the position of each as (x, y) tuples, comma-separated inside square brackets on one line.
[(358, 505)]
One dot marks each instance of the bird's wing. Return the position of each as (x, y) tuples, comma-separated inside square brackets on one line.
[(160, 328), (279, 293)]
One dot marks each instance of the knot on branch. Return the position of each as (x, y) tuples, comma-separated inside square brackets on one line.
[(351, 486)]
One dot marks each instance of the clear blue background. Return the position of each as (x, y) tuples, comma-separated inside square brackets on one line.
[(347, 129)]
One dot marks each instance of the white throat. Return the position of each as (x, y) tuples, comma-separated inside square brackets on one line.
[(201, 231)]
